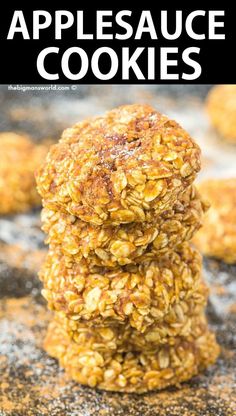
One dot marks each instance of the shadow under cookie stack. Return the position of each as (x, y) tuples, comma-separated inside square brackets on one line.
[(122, 279)]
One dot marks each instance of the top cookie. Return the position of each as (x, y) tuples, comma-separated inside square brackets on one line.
[(115, 168)]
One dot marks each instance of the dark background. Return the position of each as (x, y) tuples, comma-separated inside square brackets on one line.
[(45, 113)]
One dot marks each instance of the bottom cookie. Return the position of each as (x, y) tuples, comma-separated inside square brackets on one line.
[(124, 338), (132, 372)]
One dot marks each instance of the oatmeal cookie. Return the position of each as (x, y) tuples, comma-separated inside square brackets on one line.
[(115, 169), (112, 246), (221, 107), (124, 338), (19, 158), (139, 294), (217, 238), (132, 372)]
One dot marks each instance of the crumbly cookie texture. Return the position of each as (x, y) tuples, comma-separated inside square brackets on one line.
[(221, 107), (132, 372), (19, 158), (163, 290), (114, 169), (217, 238), (111, 246), (124, 338), (122, 279)]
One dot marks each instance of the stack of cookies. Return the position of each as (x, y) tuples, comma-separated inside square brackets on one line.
[(121, 276)]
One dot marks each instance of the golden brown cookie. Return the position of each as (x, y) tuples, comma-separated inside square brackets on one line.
[(221, 107), (132, 372), (217, 237), (19, 158), (112, 246), (116, 168), (139, 294), (124, 338)]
